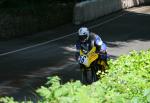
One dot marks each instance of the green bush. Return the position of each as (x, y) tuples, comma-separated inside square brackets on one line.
[(127, 81), (25, 17)]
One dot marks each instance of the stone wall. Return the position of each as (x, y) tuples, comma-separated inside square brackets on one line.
[(92, 9)]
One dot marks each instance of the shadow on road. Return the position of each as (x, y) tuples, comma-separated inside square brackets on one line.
[(131, 26)]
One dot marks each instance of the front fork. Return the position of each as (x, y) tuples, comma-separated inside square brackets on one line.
[(88, 75)]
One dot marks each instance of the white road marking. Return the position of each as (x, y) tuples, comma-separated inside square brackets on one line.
[(39, 44), (59, 38)]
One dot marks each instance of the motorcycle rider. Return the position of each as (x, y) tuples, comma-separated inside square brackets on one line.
[(86, 40)]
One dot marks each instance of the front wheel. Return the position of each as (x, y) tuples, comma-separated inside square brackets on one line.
[(87, 77)]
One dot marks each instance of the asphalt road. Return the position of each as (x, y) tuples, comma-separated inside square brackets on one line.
[(26, 62)]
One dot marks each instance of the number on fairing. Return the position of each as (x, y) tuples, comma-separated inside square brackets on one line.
[(82, 59)]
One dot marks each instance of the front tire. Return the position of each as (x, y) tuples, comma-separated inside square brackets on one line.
[(89, 76)]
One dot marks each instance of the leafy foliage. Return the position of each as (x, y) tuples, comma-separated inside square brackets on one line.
[(7, 100), (127, 81)]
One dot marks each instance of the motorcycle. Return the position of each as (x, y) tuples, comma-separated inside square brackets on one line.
[(89, 65)]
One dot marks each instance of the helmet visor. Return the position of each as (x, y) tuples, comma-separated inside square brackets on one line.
[(83, 38)]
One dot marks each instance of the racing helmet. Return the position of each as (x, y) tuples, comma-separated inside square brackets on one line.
[(83, 34)]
